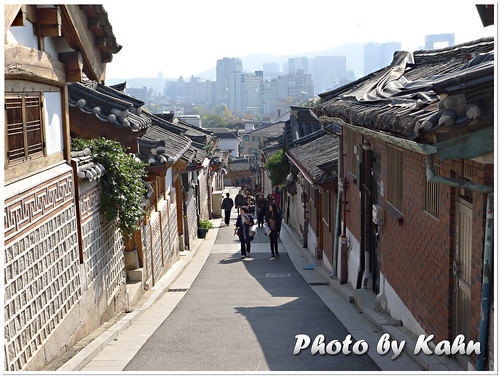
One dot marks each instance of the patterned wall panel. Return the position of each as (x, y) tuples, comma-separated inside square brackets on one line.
[(173, 232), (165, 236), (156, 248), (146, 254), (191, 217), (41, 266), (102, 245)]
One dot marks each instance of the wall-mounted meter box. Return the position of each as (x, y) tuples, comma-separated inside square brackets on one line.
[(377, 214)]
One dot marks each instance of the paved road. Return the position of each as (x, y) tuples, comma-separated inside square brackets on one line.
[(243, 315)]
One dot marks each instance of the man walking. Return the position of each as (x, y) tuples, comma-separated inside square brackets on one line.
[(239, 201), (227, 206)]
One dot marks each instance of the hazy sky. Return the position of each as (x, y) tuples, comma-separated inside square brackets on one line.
[(186, 37)]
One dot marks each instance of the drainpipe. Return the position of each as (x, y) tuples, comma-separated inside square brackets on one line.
[(486, 291), (431, 177), (488, 245)]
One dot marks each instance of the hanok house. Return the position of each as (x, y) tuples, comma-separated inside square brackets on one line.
[(311, 186), (240, 172), (272, 146), (194, 187), (157, 244), (47, 296), (418, 187)]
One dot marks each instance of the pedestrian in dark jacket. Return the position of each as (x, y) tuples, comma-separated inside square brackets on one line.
[(227, 205), (243, 224), (239, 201), (273, 220), (260, 207)]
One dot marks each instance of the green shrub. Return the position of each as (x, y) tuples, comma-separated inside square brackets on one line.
[(205, 224), (122, 187), (278, 167)]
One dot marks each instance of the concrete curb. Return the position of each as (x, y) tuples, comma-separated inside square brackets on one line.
[(382, 321), (85, 355)]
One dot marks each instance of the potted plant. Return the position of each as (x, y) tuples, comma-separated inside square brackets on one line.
[(203, 227)]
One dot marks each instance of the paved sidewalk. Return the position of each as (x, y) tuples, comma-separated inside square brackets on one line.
[(118, 344)]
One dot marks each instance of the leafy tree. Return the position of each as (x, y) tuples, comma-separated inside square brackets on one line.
[(213, 121), (278, 167), (122, 186)]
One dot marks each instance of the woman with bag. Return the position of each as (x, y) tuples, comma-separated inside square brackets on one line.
[(244, 223), (273, 221)]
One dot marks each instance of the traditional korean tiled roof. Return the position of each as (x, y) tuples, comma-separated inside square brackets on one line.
[(274, 129), (225, 133), (159, 146), (108, 105), (300, 124), (316, 155), (85, 167), (240, 164), (273, 144), (426, 96)]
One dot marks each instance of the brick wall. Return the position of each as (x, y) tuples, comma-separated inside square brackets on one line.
[(416, 248)]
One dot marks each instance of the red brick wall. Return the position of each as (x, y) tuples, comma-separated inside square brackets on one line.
[(416, 253)]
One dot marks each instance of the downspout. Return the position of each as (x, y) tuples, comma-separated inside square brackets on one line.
[(488, 246), (486, 290)]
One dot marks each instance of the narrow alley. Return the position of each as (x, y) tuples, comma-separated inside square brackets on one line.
[(226, 314)]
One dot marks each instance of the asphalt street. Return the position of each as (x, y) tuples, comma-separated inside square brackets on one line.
[(244, 315)]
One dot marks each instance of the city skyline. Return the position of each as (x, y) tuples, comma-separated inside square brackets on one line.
[(197, 34)]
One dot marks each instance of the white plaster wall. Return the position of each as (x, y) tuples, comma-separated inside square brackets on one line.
[(53, 122), (168, 181), (353, 250), (230, 144), (296, 217), (23, 35), (397, 308), (311, 241)]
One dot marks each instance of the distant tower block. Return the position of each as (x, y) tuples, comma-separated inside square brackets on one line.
[(431, 39)]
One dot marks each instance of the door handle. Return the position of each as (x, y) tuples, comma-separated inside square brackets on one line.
[(454, 268)]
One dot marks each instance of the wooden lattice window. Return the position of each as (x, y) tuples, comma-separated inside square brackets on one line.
[(432, 191), (23, 127), (395, 177)]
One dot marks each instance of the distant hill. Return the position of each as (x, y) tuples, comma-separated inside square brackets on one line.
[(353, 51)]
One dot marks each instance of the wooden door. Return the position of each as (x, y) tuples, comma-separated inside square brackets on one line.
[(462, 269)]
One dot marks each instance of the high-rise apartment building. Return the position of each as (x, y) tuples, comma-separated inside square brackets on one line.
[(296, 85), (298, 64), (199, 92), (225, 67), (243, 93), (329, 72), (379, 55), (271, 70), (435, 40)]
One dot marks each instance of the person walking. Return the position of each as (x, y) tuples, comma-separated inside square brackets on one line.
[(260, 207), (243, 224), (273, 220), (277, 195), (239, 201), (227, 205)]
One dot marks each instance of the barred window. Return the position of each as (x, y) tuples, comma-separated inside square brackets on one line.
[(432, 192), (395, 177), (24, 127)]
